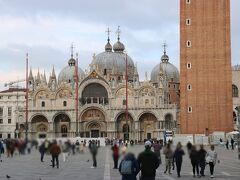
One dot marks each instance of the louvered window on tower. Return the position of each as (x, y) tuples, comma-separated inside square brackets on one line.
[(189, 65), (188, 43), (188, 1), (189, 87)]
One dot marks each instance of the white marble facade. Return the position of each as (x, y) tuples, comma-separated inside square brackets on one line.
[(102, 100)]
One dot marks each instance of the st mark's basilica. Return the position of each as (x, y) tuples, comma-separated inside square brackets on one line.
[(152, 105)]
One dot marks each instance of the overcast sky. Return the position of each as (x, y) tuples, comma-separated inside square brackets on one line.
[(46, 28)]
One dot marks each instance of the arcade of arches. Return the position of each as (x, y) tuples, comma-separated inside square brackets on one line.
[(93, 123)]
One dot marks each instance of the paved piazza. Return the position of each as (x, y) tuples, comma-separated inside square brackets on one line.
[(29, 167)]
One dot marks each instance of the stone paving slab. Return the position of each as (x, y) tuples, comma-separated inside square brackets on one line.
[(29, 167)]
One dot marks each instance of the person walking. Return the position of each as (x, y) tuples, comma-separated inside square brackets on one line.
[(148, 162), (115, 150), (202, 161), (227, 144), (232, 143), (129, 167), (168, 158), (157, 150), (93, 150), (211, 159), (65, 151), (178, 158), (42, 151), (55, 150), (81, 146), (194, 161), (189, 147), (1, 148)]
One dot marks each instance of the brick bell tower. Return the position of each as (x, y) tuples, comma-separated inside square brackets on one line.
[(205, 67)]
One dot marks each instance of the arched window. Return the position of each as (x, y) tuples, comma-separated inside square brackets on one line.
[(234, 91), (43, 104), (64, 103)]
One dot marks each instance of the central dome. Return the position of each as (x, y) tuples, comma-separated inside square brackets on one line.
[(108, 60)]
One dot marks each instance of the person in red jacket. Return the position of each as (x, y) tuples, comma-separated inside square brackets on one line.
[(115, 150), (55, 150)]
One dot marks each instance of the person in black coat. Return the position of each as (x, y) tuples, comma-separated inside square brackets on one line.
[(178, 157), (202, 159), (194, 160), (148, 162)]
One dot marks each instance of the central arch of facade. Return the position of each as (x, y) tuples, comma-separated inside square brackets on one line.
[(124, 126), (147, 126), (93, 123)]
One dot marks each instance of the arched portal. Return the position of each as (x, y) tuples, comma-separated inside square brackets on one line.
[(94, 93), (147, 126), (93, 123), (39, 126), (124, 126), (61, 125)]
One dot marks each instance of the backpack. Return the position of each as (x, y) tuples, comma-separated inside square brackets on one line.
[(126, 167)]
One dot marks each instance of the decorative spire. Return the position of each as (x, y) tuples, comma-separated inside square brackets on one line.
[(135, 69), (38, 75), (30, 74), (44, 77), (53, 73)]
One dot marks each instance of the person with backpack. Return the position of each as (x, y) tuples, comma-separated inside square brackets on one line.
[(129, 167), (55, 150), (93, 150), (178, 158), (202, 162), (168, 158), (148, 162), (115, 150), (194, 156)]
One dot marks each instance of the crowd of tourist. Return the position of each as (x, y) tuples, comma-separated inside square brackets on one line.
[(130, 166)]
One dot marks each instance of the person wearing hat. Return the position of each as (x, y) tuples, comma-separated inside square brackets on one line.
[(148, 162)]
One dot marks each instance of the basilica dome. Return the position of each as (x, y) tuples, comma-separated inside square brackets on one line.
[(116, 59), (168, 69), (67, 74)]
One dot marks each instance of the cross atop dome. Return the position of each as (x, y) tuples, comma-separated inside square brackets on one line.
[(108, 31), (164, 47), (72, 50), (164, 57), (118, 32)]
